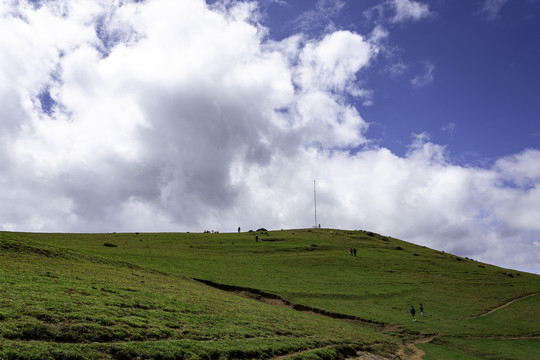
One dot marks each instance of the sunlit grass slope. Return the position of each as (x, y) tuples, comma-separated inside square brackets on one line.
[(111, 294), (64, 302)]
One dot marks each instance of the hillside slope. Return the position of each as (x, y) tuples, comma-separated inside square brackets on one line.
[(133, 295), (60, 303)]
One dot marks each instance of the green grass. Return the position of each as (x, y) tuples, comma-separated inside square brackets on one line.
[(86, 296), (481, 349)]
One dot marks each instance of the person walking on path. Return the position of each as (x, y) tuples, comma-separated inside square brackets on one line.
[(421, 310), (412, 311)]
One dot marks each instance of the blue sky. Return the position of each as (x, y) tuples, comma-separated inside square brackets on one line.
[(482, 99), (416, 119)]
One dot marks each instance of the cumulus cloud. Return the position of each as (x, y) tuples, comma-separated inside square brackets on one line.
[(177, 116), (420, 197), (151, 103)]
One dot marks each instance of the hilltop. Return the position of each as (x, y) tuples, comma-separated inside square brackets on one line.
[(295, 293)]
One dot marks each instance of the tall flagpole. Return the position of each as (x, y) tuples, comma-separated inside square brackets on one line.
[(315, 201)]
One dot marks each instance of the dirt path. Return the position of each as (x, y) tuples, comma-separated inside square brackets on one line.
[(367, 356), (504, 305), (276, 300), (408, 352), (414, 353)]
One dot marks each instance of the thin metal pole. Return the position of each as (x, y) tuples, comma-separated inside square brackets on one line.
[(315, 200)]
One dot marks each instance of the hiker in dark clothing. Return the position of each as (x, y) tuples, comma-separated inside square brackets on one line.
[(354, 251), (421, 310), (412, 312)]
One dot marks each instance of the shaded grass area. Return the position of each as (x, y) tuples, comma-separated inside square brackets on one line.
[(132, 291)]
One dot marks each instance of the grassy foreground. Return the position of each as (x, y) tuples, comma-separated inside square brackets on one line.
[(126, 296)]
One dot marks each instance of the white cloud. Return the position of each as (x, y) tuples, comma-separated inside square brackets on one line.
[(320, 17), (331, 64), (426, 77), (174, 116), (396, 69), (401, 11), (520, 169), (409, 10), (420, 197)]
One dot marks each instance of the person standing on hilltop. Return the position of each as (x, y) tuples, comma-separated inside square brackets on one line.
[(412, 311)]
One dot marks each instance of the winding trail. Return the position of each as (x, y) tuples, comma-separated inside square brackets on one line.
[(408, 352), (413, 353), (277, 300), (504, 305)]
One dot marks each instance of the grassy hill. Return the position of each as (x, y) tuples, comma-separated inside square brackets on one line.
[(125, 296)]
